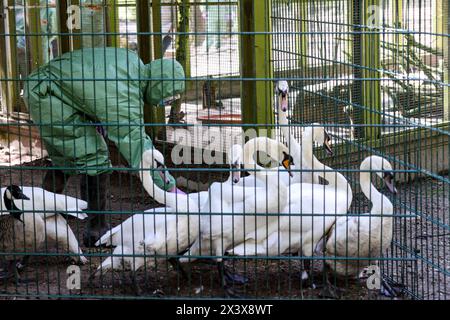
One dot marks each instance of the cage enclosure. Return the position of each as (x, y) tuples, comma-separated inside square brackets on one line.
[(373, 75)]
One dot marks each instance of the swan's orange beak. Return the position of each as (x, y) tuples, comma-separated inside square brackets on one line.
[(286, 163)]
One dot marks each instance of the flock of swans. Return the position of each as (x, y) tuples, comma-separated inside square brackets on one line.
[(299, 207), (271, 212)]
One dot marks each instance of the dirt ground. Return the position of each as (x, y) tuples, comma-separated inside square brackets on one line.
[(267, 279)]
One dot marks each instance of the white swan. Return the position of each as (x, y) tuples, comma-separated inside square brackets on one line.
[(301, 153), (234, 157), (308, 160), (49, 206), (127, 237), (168, 230), (367, 235), (318, 206), (157, 227), (233, 208)]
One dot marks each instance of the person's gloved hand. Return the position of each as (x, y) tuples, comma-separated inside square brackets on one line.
[(176, 190)]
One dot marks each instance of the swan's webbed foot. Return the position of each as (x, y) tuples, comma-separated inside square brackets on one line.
[(158, 293), (9, 271), (391, 291), (232, 292), (234, 277), (305, 275), (21, 280), (20, 266), (179, 268), (136, 289), (329, 290), (228, 279), (91, 278)]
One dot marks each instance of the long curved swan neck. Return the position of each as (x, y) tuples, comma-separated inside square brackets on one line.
[(307, 148), (292, 143), (380, 203), (270, 147), (180, 202), (334, 178)]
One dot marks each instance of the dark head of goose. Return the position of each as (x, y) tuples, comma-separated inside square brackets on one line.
[(12, 193)]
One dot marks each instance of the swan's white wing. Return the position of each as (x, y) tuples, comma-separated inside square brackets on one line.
[(131, 231), (199, 198), (51, 203)]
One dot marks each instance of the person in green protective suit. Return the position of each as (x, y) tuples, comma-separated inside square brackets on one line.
[(83, 96)]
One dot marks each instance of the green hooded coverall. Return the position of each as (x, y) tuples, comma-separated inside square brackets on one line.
[(72, 94)]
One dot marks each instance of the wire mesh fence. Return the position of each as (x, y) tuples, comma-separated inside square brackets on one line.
[(126, 176)]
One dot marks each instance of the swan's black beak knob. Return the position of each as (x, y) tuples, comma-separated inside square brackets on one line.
[(389, 181), (327, 145), (287, 162)]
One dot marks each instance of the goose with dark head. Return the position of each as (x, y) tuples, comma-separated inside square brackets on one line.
[(14, 192)]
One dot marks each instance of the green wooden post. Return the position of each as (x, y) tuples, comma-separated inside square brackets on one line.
[(182, 50), (156, 114), (446, 9), (3, 75), (34, 42), (64, 40), (438, 26), (397, 13), (145, 53), (76, 37), (112, 20), (302, 39), (143, 26), (256, 63), (370, 58), (12, 86), (156, 24), (443, 44)]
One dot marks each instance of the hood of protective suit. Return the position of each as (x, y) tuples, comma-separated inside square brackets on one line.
[(168, 75)]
